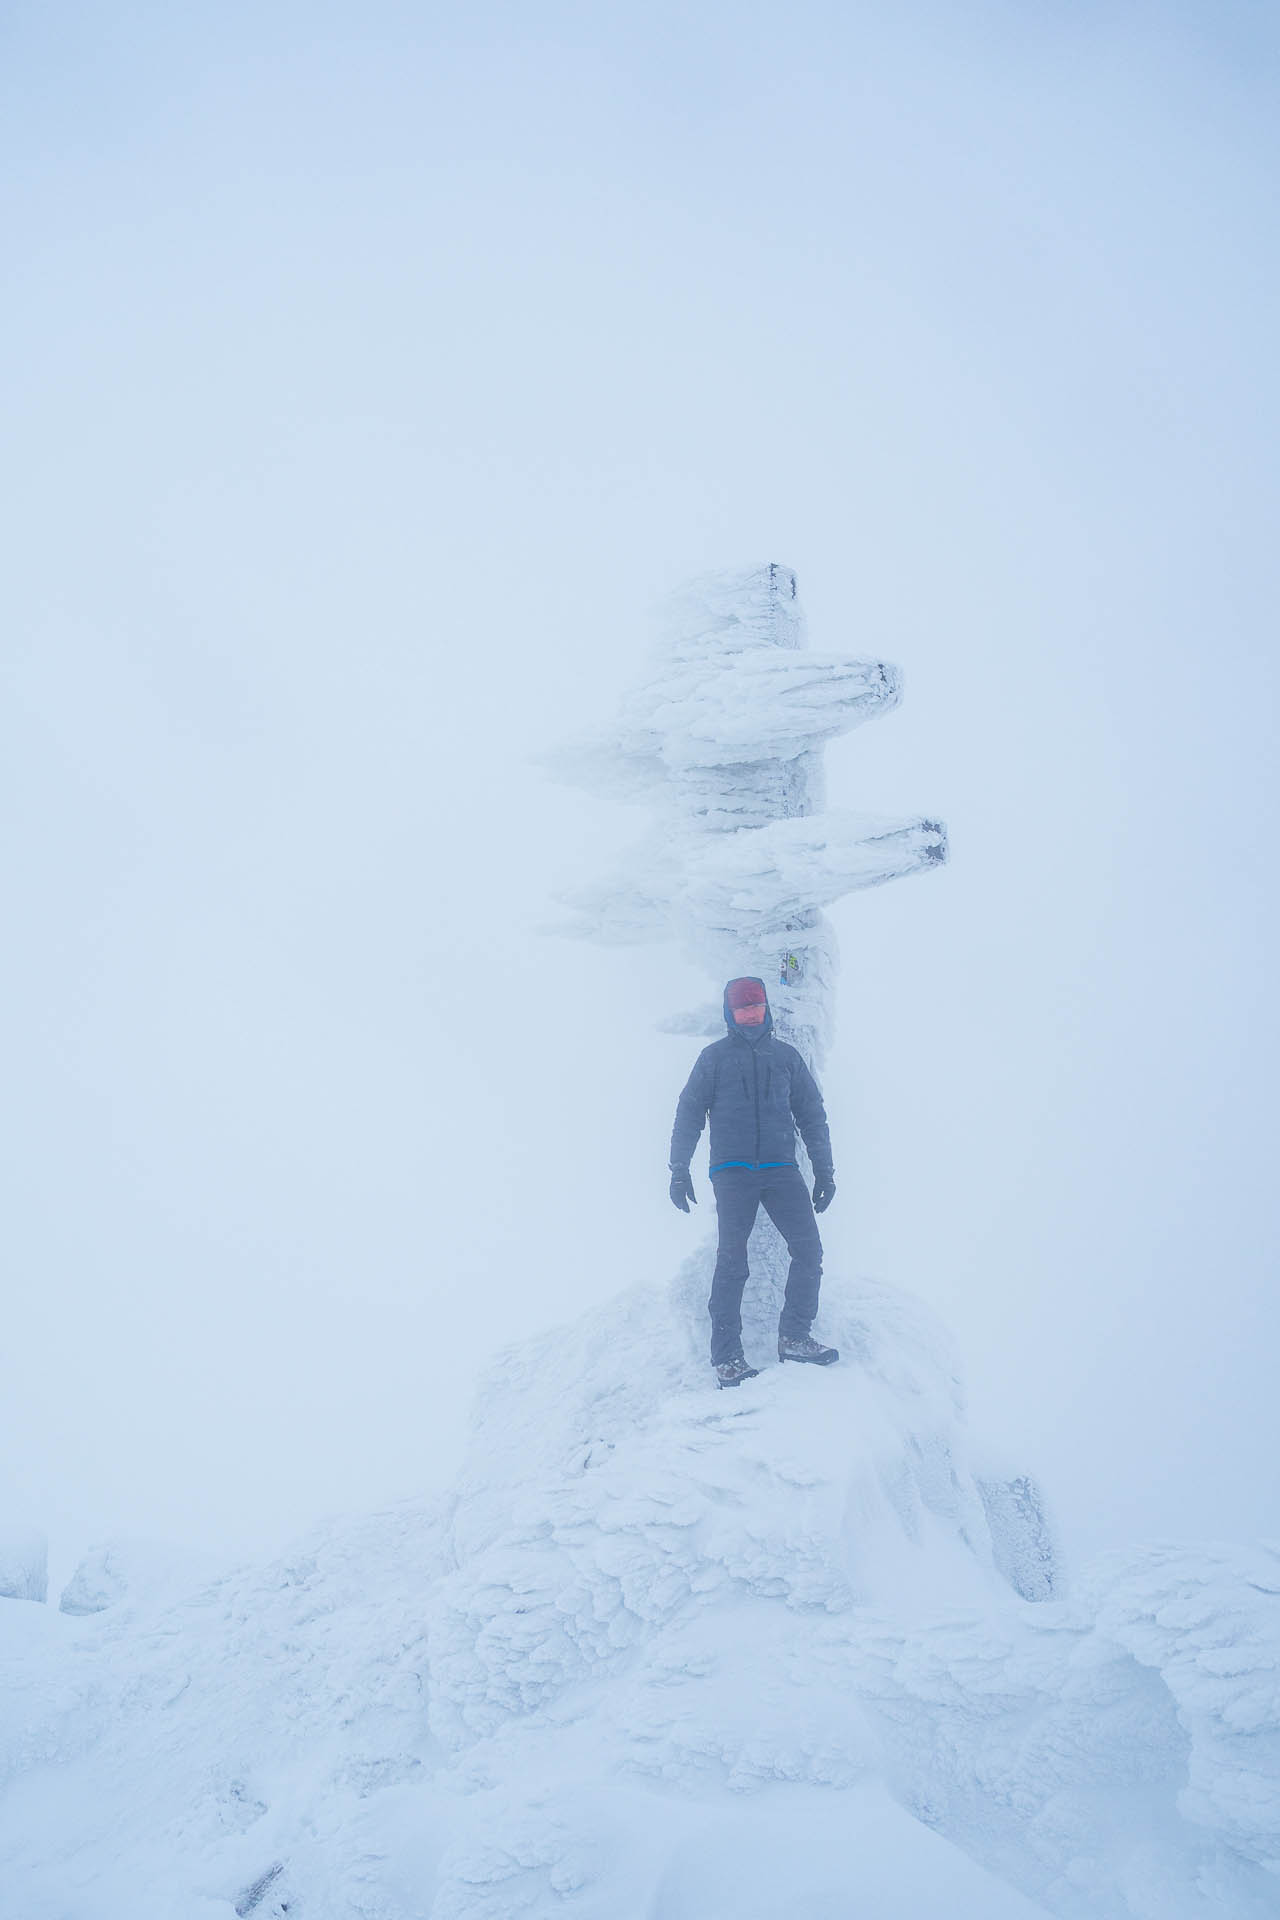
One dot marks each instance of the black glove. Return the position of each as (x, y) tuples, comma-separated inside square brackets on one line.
[(681, 1189), (824, 1189)]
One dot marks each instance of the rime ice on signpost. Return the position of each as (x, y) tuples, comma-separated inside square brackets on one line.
[(725, 737)]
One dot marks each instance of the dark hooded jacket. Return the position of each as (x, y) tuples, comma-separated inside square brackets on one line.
[(757, 1092)]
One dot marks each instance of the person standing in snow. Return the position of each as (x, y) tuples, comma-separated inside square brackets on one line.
[(757, 1091)]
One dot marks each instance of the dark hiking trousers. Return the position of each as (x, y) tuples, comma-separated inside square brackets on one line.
[(739, 1192)]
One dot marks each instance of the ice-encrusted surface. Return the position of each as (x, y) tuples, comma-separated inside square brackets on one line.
[(1117, 1754), (659, 1641), (723, 739)]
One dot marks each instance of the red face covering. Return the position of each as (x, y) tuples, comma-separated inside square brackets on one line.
[(746, 1002)]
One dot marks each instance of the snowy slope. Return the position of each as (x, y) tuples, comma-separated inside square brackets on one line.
[(663, 1652)]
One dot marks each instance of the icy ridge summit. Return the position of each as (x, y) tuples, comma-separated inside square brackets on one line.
[(662, 1652)]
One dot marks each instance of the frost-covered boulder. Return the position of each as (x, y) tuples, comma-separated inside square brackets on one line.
[(1115, 1754), (24, 1563), (1023, 1538)]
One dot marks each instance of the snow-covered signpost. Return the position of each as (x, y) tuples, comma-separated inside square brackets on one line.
[(725, 738)]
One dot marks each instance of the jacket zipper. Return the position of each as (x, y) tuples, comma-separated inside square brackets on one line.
[(755, 1082)]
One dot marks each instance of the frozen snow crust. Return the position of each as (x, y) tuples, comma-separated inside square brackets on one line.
[(664, 1652)]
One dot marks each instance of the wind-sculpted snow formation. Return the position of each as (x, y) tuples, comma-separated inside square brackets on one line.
[(662, 1654), (665, 1653)]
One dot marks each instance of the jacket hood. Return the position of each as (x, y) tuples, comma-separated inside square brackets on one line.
[(735, 1031)]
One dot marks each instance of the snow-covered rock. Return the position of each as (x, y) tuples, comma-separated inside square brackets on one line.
[(661, 1647), (1023, 1538), (1116, 1754)]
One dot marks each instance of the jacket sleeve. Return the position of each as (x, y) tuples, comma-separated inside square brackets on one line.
[(691, 1110), (811, 1117)]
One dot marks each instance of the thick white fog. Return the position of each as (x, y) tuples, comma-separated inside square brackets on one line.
[(371, 371)]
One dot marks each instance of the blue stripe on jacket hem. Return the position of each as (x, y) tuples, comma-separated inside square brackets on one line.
[(752, 1166)]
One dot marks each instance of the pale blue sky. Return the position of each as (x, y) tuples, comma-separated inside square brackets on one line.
[(370, 370)]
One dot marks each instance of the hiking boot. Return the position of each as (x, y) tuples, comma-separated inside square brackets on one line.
[(732, 1373), (802, 1347)]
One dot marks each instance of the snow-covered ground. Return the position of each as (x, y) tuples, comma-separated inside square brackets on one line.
[(663, 1652)]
